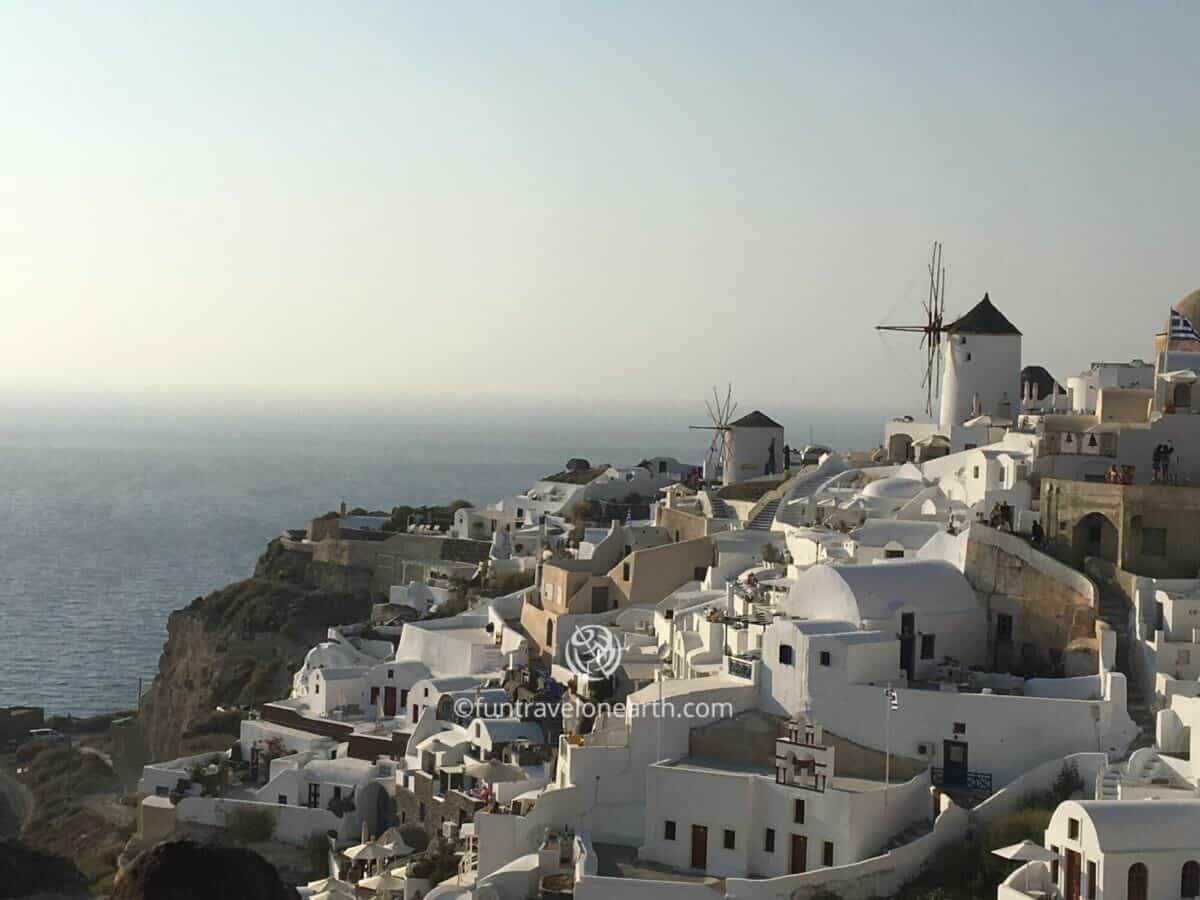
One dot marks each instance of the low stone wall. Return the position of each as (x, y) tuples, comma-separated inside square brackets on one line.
[(879, 876), (1037, 780), (293, 824)]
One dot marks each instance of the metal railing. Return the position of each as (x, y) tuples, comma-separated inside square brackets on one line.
[(974, 781)]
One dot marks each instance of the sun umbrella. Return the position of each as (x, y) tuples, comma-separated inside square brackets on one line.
[(384, 883), (327, 885), (339, 894), (493, 771), (391, 841), (1027, 851), (369, 850)]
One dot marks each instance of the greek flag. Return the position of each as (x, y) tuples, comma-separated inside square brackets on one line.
[(1182, 329)]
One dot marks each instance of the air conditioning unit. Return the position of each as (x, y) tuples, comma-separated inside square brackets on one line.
[(926, 749), (450, 831)]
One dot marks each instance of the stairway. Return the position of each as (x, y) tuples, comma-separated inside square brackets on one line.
[(1109, 786), (765, 517), (720, 509)]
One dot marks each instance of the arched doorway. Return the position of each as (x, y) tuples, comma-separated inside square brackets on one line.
[(1095, 536), (1181, 396), (1139, 882), (900, 447)]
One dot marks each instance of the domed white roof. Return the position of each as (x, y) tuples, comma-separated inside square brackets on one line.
[(894, 488)]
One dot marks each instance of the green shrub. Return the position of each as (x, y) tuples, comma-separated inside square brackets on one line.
[(1067, 784), (250, 825)]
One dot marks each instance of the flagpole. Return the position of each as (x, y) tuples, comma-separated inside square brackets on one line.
[(887, 744)]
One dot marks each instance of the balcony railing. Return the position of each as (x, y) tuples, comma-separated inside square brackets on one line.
[(980, 782)]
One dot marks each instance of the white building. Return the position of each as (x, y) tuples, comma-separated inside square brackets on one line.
[(1116, 850), (753, 447), (982, 374)]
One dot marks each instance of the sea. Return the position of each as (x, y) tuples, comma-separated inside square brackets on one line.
[(113, 513)]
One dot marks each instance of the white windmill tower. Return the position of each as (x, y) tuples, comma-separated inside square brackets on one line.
[(720, 413)]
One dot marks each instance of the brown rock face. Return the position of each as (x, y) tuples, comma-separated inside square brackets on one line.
[(185, 870), (240, 645)]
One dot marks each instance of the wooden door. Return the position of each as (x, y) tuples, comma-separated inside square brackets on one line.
[(389, 701), (908, 644), (699, 847), (1071, 888), (954, 763), (799, 861)]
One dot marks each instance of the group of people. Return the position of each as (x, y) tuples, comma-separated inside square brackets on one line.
[(1001, 517), (1162, 461), (1119, 474)]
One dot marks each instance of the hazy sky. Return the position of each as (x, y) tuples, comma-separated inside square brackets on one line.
[(571, 200)]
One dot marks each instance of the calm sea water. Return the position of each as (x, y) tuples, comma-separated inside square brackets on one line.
[(113, 518)]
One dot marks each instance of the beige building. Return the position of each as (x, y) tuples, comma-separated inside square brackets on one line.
[(1143, 529)]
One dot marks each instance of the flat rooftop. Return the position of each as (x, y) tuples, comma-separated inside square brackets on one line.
[(733, 767)]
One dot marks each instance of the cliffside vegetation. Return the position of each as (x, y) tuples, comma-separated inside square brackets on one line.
[(238, 647)]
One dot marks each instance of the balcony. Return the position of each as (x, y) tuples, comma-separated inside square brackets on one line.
[(975, 782)]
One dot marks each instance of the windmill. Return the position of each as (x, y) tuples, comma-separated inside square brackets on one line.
[(720, 413), (933, 328)]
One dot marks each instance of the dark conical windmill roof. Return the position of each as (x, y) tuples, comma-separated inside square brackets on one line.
[(755, 419), (983, 318)]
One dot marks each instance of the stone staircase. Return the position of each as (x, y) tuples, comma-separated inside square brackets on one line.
[(720, 509), (765, 516), (1108, 786)]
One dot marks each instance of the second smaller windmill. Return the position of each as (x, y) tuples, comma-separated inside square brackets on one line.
[(720, 413)]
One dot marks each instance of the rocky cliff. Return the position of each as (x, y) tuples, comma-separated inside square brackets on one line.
[(239, 646)]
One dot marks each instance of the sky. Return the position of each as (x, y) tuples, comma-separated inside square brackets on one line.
[(586, 203)]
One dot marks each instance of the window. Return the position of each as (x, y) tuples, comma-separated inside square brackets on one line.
[(1138, 883), (162, 791), (960, 727), (1091, 881), (668, 830), (730, 840), (1073, 829), (976, 472), (798, 812), (893, 554), (1004, 627), (1189, 880), (825, 658), (1154, 542), (1054, 866), (787, 655), (1183, 658), (769, 841), (625, 572), (317, 688), (827, 854), (391, 673), (927, 646), (699, 572), (283, 799)]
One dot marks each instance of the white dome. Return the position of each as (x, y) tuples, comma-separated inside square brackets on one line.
[(894, 488)]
